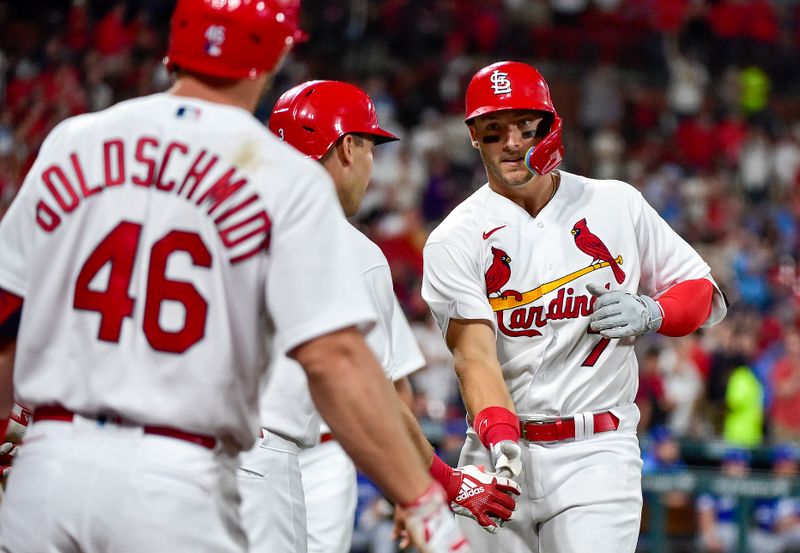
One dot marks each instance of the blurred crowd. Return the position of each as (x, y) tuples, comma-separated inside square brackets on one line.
[(696, 103)]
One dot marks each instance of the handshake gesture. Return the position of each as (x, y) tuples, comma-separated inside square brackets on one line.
[(485, 497), (474, 493), (471, 492)]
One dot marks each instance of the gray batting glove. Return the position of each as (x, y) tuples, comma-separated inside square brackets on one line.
[(618, 314), (507, 458)]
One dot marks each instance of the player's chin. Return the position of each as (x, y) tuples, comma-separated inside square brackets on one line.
[(517, 177)]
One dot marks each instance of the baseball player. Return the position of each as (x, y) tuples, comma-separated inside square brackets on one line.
[(155, 246), (329, 481), (335, 123), (540, 281)]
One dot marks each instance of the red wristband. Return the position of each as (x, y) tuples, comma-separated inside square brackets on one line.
[(686, 306), (441, 472), (495, 424)]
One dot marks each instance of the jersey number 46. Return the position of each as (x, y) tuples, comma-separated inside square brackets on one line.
[(118, 249)]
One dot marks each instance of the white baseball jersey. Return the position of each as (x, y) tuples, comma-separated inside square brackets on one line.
[(489, 259), (155, 244), (270, 470), (286, 405)]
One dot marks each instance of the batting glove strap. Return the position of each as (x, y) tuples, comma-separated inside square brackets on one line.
[(484, 497), (431, 524), (507, 458)]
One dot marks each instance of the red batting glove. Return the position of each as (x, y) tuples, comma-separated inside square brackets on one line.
[(472, 493)]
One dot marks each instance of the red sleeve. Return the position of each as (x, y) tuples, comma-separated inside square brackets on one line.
[(686, 306)]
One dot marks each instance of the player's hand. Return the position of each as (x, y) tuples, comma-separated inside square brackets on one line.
[(484, 497), (399, 532), (7, 452), (17, 426), (507, 458), (618, 314), (431, 525)]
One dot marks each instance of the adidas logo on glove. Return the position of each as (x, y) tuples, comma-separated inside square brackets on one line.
[(467, 490)]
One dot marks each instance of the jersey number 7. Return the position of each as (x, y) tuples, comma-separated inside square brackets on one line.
[(118, 249)]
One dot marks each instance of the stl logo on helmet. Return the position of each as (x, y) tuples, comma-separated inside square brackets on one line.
[(500, 82), (215, 37)]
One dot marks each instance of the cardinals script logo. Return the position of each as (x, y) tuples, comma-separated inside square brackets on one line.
[(517, 313), (500, 82)]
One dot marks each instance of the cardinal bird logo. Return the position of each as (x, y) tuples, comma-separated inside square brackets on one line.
[(498, 274), (590, 244)]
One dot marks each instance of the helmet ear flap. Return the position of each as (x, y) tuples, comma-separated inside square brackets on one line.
[(545, 126), (547, 154)]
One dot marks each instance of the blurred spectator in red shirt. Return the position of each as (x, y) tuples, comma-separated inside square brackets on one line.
[(111, 36), (732, 132), (77, 33), (697, 141), (651, 396), (761, 21), (786, 390)]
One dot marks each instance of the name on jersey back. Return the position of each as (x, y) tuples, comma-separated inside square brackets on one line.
[(243, 226)]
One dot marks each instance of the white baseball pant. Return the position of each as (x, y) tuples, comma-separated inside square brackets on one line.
[(329, 484), (91, 487), (577, 496), (273, 509)]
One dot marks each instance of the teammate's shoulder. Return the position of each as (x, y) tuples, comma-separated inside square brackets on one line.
[(71, 127), (295, 164), (463, 223), (367, 250)]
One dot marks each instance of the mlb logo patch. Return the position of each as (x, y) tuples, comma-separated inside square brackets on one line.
[(188, 112)]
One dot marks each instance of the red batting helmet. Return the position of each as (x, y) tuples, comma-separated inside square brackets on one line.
[(515, 85), (312, 116), (234, 39)]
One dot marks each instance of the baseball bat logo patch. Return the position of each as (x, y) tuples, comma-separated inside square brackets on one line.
[(518, 314), (590, 244)]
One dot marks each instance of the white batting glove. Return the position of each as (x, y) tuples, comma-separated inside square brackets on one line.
[(483, 497), (507, 458), (432, 526), (17, 426), (618, 314)]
